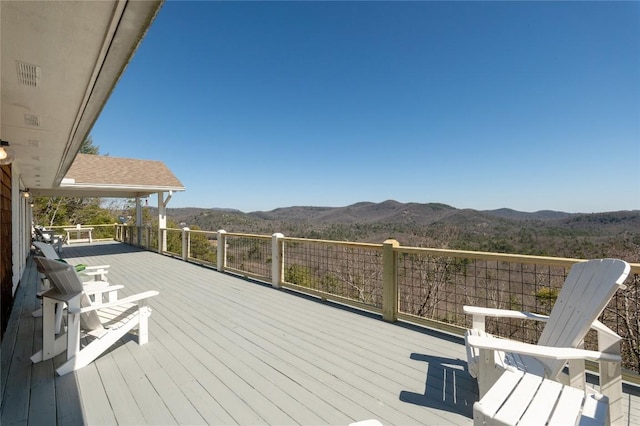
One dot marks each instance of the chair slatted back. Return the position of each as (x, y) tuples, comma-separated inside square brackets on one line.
[(64, 278), (585, 293), (47, 250)]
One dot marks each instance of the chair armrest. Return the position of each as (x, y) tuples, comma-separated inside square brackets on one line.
[(60, 297), (603, 329), (105, 289), (503, 313), (94, 273), (89, 268), (484, 342), (479, 314), (126, 300)]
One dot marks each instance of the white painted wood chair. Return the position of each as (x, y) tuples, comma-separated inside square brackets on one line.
[(103, 324), (97, 272), (586, 291), (94, 285)]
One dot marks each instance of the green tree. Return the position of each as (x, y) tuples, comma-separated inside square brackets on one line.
[(88, 147), (200, 246), (547, 296), (300, 275)]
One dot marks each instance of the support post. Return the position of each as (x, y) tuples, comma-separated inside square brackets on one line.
[(139, 221), (222, 250), (162, 220), (277, 259), (389, 281), (186, 243)]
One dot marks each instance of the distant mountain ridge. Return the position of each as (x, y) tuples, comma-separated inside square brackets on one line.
[(389, 211), (545, 232), (392, 211), (364, 212)]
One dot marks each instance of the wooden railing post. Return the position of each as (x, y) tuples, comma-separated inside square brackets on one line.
[(162, 240), (389, 281), (277, 259), (222, 250), (186, 237)]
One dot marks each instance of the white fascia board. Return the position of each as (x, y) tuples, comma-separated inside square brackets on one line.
[(102, 187)]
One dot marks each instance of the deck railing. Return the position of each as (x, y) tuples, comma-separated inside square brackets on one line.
[(420, 285)]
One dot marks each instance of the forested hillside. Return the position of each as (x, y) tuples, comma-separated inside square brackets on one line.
[(611, 234)]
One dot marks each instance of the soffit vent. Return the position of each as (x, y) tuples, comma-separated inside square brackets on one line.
[(34, 143), (28, 74), (32, 120)]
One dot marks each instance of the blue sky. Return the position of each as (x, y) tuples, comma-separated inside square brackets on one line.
[(482, 105)]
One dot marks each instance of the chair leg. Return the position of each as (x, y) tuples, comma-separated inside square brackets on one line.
[(488, 373), (93, 350), (51, 346), (611, 387), (143, 327), (611, 376)]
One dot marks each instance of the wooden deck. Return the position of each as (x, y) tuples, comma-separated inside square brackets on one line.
[(223, 350)]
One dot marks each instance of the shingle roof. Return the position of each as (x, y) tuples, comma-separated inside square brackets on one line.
[(105, 170), (98, 175)]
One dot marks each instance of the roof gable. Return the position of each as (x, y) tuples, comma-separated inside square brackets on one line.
[(105, 170), (105, 176)]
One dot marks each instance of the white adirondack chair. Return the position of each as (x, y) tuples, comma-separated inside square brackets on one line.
[(103, 324), (94, 285), (586, 291), (98, 272)]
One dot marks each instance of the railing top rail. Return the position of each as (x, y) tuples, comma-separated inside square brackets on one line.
[(84, 224), (330, 242), (200, 231), (240, 234), (506, 257)]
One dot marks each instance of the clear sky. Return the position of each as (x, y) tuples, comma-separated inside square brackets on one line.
[(482, 105)]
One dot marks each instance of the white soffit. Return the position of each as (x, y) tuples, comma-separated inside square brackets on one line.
[(59, 62)]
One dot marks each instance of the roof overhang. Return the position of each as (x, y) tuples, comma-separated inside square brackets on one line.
[(106, 176), (113, 191), (60, 61)]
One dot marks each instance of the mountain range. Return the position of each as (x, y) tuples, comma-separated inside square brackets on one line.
[(544, 232)]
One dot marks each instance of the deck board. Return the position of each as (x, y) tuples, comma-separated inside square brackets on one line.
[(42, 404), (228, 351), (17, 391), (96, 406)]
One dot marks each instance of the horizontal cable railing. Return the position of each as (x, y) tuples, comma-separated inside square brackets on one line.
[(174, 241), (335, 270), (248, 255), (420, 285), (435, 284), (202, 246)]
